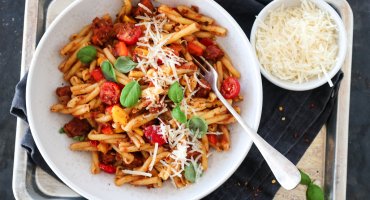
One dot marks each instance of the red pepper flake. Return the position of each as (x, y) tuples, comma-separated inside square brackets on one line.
[(94, 143), (110, 169)]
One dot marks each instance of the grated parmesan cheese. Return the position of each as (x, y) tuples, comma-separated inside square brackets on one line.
[(151, 165), (138, 173), (154, 41), (197, 79), (144, 7), (297, 44), (182, 141)]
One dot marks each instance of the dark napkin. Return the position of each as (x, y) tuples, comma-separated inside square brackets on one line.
[(18, 109), (290, 121)]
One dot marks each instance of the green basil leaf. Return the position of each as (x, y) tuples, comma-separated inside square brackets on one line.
[(108, 71), (86, 54), (305, 179), (190, 173), (176, 93), (61, 130), (79, 138), (314, 192), (130, 94), (198, 126), (124, 64), (178, 114)]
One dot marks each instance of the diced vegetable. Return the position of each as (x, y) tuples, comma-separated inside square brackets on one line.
[(194, 49), (121, 49), (110, 169), (151, 133), (119, 115), (97, 74)]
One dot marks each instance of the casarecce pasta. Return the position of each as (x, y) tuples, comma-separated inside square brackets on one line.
[(140, 105)]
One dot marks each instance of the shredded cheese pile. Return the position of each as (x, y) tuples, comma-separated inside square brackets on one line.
[(298, 44), (153, 42), (181, 140)]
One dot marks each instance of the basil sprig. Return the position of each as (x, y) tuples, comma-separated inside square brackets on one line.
[(130, 94), (62, 131), (198, 126), (176, 93), (79, 138), (305, 179), (190, 173), (314, 192), (108, 71), (124, 64), (178, 114), (86, 54)]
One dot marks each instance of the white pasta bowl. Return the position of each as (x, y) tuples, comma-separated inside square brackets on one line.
[(73, 168), (341, 41)]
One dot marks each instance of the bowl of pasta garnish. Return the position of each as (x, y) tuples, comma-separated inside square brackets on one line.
[(118, 108)]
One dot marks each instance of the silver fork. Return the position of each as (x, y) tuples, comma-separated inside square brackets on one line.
[(286, 173)]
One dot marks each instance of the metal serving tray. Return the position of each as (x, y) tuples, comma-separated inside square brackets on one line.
[(31, 182)]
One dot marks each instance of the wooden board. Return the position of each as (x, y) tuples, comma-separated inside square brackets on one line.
[(313, 163)]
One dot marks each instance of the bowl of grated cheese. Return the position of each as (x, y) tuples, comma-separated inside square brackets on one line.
[(300, 44)]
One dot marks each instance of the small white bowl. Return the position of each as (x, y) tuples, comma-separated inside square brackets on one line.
[(314, 83)]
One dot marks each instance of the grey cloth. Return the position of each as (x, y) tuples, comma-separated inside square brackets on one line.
[(290, 121), (18, 109)]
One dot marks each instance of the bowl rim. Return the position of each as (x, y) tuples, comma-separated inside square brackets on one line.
[(315, 83), (83, 192)]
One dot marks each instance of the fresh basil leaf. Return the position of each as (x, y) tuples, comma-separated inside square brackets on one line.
[(130, 94), (190, 173), (198, 126), (86, 54), (305, 179), (314, 192), (61, 130), (79, 138), (124, 64), (176, 93), (178, 114), (108, 71)]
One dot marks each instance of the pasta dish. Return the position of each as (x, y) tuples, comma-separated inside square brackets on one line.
[(140, 105)]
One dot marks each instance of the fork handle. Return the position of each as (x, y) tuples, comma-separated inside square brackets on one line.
[(286, 173)]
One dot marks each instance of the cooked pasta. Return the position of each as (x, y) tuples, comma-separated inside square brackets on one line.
[(140, 105)]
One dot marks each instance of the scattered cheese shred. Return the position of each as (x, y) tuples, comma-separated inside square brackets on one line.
[(151, 165), (145, 8), (197, 167), (139, 173), (199, 82), (298, 44)]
